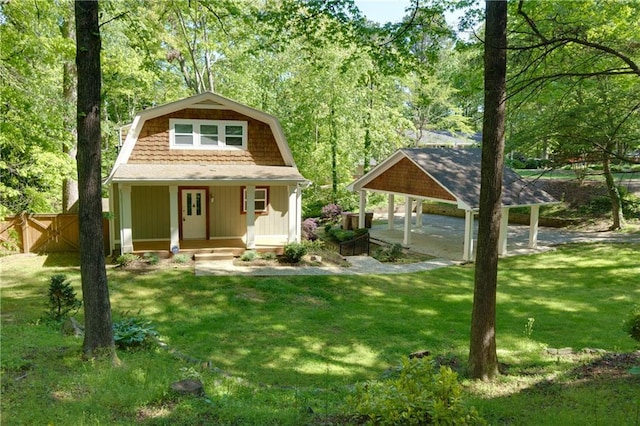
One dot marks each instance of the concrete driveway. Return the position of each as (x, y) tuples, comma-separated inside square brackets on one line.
[(443, 236)]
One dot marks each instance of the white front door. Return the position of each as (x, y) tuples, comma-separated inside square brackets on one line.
[(194, 214)]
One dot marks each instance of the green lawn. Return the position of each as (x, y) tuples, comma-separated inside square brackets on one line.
[(274, 350)]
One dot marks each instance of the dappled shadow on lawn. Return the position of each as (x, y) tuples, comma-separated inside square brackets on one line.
[(340, 329), (301, 330), (600, 390)]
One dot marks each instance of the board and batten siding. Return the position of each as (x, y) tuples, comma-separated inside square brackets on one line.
[(226, 219), (150, 212), (276, 222), (151, 220)]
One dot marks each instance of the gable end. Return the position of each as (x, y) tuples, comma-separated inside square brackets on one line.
[(406, 178)]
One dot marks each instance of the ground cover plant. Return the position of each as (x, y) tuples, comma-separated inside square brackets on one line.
[(291, 350)]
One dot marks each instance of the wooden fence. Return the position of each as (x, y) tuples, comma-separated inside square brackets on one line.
[(44, 233)]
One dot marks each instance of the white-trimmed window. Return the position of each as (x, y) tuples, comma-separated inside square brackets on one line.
[(207, 134), (261, 200)]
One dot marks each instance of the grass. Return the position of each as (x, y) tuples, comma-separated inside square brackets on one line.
[(288, 350)]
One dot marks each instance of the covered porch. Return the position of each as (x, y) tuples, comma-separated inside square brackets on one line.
[(232, 246)]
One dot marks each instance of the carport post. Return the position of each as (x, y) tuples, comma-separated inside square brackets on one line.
[(504, 231), (390, 211), (363, 207), (418, 213), (407, 221), (468, 236), (533, 226)]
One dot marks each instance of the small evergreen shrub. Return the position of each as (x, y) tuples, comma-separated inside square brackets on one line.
[(62, 298), (293, 252), (126, 259), (419, 395), (631, 325), (133, 333)]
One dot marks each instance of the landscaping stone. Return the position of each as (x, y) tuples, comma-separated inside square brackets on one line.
[(188, 387), (71, 327)]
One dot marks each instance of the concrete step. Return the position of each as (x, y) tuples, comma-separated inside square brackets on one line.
[(214, 256)]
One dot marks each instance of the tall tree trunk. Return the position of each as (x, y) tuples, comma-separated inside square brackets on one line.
[(333, 141), (614, 194), (483, 360), (69, 185), (98, 337)]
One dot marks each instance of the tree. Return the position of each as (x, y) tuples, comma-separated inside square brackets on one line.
[(575, 68), (32, 128), (98, 338), (483, 360)]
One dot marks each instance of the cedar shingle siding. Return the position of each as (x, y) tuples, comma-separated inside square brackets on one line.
[(153, 142), (406, 178)]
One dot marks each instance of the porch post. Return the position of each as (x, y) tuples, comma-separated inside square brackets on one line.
[(293, 235), (363, 207), (504, 231), (419, 213), (407, 221), (126, 234), (251, 217), (174, 217), (112, 222), (533, 226), (390, 211), (467, 254)]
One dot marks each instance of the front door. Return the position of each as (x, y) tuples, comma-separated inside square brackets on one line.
[(194, 214)]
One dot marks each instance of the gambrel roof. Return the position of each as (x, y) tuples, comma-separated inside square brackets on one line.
[(449, 175), (189, 165)]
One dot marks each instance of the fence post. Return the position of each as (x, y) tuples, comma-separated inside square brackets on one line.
[(26, 235)]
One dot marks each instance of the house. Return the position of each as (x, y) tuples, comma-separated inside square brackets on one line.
[(449, 176), (204, 172)]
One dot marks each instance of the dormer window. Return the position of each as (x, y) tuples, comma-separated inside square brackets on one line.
[(207, 134)]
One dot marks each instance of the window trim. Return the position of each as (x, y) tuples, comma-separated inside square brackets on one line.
[(196, 134), (243, 200)]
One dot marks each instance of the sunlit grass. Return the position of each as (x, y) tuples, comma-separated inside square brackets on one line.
[(271, 348)]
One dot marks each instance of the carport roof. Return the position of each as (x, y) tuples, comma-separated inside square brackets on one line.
[(447, 175)]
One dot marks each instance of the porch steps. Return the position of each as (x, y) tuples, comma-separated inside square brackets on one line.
[(212, 256)]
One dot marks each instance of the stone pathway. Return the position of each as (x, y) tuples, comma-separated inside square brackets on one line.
[(360, 265)]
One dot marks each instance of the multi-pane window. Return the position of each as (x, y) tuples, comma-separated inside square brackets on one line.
[(261, 201), (208, 134)]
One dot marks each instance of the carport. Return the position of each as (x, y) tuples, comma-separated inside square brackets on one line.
[(449, 176)]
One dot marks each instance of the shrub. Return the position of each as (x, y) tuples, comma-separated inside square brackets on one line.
[(62, 298), (340, 235), (631, 325), (248, 256), (389, 253), (180, 258), (293, 252), (133, 333), (418, 395), (126, 259), (309, 227), (269, 255), (331, 212), (151, 258)]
